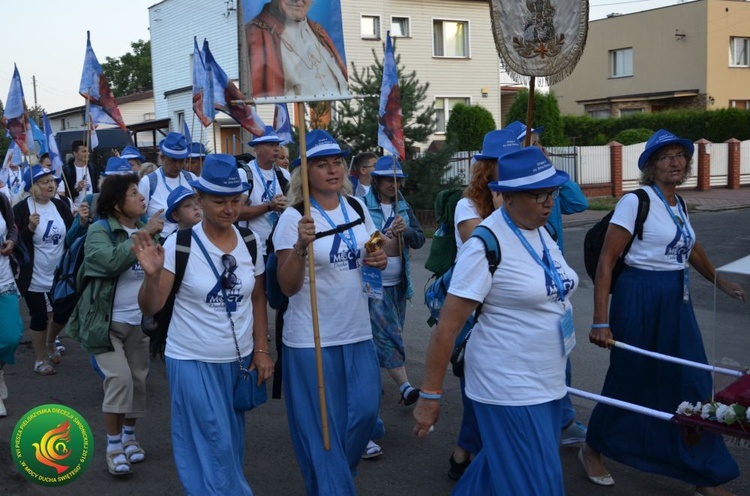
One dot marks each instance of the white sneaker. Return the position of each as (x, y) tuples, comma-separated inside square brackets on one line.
[(3, 387), (3, 410)]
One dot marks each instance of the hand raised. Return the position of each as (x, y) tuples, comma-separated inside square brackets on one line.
[(149, 254), (155, 223)]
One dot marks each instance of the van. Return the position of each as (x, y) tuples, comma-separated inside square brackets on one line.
[(109, 139)]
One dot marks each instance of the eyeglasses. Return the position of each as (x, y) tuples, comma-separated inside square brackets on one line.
[(543, 197), (228, 279), (666, 159)]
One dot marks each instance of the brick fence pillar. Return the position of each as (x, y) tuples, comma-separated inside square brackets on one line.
[(704, 165), (615, 166), (733, 168)]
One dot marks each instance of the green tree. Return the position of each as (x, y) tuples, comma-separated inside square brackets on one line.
[(130, 73), (467, 126), (546, 113), (356, 125), (633, 136)]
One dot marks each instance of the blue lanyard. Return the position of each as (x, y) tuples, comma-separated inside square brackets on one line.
[(268, 186), (684, 231), (387, 221), (550, 269), (681, 223), (350, 240), (179, 178)]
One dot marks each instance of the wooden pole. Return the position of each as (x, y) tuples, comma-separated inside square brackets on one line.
[(395, 208), (530, 111), (300, 111)]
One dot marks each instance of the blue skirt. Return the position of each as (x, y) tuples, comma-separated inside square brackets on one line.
[(387, 318), (11, 327), (208, 434), (352, 391), (647, 311), (520, 454)]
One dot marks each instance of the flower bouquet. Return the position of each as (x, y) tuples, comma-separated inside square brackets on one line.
[(731, 420)]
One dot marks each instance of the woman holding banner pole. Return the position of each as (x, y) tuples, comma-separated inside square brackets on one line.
[(351, 393)]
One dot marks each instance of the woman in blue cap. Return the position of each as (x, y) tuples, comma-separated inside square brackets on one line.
[(218, 329), (396, 220), (651, 309), (338, 227), (515, 359)]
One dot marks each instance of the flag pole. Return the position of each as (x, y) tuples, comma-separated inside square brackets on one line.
[(395, 208), (300, 112), (530, 111)]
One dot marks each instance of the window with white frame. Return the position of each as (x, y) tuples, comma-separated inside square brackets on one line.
[(180, 121), (450, 38), (400, 27), (443, 106), (740, 104), (600, 114), (738, 52), (621, 62), (370, 27)]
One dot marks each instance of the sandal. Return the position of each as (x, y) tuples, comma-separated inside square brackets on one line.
[(43, 368), (457, 469), (410, 398), (113, 464), (135, 454), (371, 451)]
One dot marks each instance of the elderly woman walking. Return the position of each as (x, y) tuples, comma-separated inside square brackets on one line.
[(651, 308), (218, 330), (515, 359)]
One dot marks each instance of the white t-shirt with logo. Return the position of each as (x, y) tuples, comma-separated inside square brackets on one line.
[(6, 275), (164, 186), (515, 355), (125, 306), (200, 328), (663, 246), (265, 187), (392, 273), (343, 313), (49, 245), (15, 185), (465, 210)]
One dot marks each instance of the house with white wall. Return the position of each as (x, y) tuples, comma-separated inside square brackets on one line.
[(448, 43)]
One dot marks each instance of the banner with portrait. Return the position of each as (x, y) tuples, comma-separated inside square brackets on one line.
[(540, 38), (295, 50)]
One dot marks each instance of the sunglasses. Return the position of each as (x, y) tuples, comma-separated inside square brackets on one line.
[(228, 279), (543, 197)]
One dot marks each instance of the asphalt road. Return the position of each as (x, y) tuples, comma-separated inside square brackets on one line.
[(409, 465)]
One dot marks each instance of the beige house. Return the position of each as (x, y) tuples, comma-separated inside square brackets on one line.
[(690, 55)]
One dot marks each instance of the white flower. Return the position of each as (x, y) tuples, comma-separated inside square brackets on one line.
[(697, 408), (685, 408), (722, 412), (708, 411)]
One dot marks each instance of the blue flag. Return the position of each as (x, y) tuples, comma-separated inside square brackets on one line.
[(94, 87), (54, 152), (16, 115), (203, 105), (282, 124), (186, 131), (390, 118), (39, 139)]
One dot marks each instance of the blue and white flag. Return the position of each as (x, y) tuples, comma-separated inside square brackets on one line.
[(390, 117), (186, 131), (282, 124), (16, 115), (54, 152), (94, 87), (203, 105)]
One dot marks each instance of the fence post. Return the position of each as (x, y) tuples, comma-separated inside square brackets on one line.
[(704, 165), (615, 164), (733, 168)]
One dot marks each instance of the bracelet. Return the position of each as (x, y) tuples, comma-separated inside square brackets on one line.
[(600, 326), (301, 254), (430, 396), (261, 351)]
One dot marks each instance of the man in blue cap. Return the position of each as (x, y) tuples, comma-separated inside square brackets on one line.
[(269, 184), (155, 187)]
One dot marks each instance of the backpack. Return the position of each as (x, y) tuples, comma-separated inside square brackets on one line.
[(65, 291), (153, 181), (276, 299), (436, 292), (158, 333), (443, 248), (283, 182), (593, 242)]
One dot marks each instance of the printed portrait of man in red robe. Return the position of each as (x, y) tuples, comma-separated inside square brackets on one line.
[(293, 56)]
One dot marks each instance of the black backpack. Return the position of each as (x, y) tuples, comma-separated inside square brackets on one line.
[(158, 333), (594, 240)]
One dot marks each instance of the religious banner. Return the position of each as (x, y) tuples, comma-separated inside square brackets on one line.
[(540, 38), (296, 50)]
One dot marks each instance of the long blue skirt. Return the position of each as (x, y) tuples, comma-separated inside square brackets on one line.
[(520, 453), (387, 317), (208, 434), (647, 311), (11, 327), (352, 391)]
